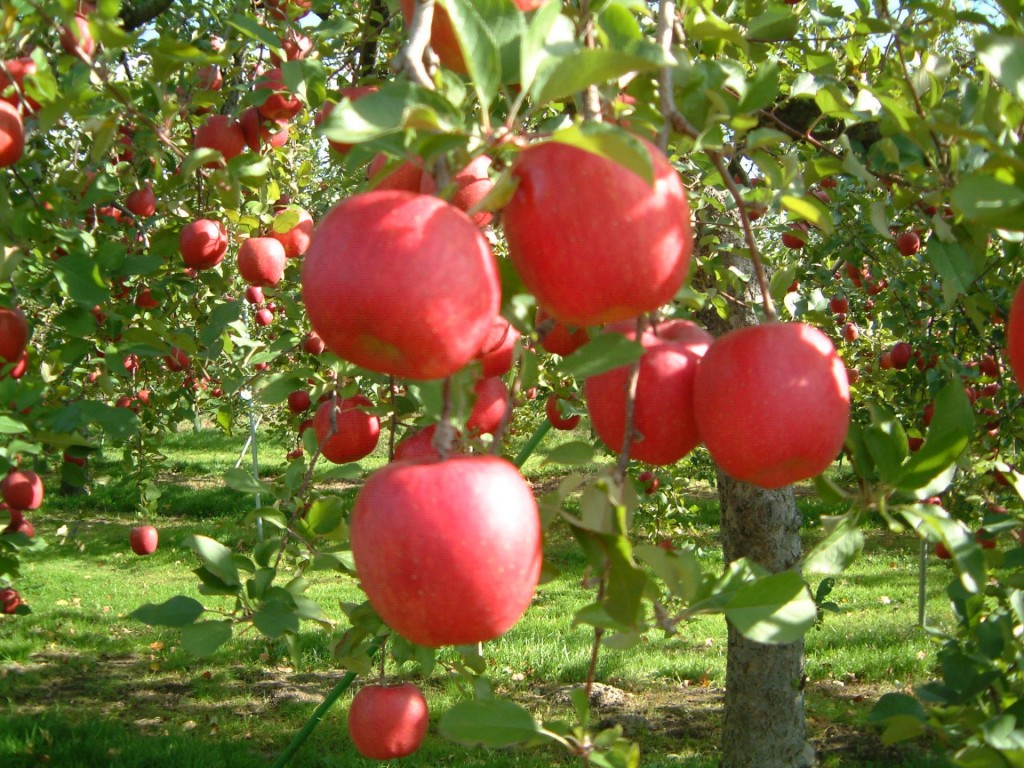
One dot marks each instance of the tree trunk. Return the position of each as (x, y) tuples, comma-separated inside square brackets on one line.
[(764, 723)]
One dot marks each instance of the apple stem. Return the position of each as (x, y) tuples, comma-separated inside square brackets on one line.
[(675, 120), (393, 421), (444, 435), (410, 59)]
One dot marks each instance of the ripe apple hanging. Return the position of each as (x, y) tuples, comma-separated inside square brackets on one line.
[(593, 241)]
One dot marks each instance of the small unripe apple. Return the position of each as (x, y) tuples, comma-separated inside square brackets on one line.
[(386, 722), (143, 539)]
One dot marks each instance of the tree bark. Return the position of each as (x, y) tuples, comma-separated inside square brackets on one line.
[(135, 14), (764, 724)]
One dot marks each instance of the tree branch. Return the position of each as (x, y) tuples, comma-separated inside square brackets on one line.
[(136, 14)]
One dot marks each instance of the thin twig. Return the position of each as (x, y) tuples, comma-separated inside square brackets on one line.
[(411, 58)]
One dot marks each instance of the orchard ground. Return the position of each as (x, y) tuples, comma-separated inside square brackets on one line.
[(76, 690)]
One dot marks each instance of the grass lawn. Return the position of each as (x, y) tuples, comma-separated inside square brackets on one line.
[(83, 685)]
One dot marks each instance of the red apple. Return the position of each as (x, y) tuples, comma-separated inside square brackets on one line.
[(261, 261), (141, 202), (406, 176), (178, 360), (18, 69), (908, 243), (22, 489), (284, 9), (258, 130), (313, 345), (448, 552), (553, 410), (529, 5), (296, 47), (357, 431), (557, 338), (489, 407), (498, 350), (209, 78), (76, 37), (772, 403), (900, 355), (9, 600), (664, 408), (839, 305), (264, 317), (989, 366), (850, 332), (419, 282), (145, 299), (589, 268), (203, 243), (12, 135), (222, 133), (254, 294), (281, 104), (1015, 336), (417, 445), (299, 401), (13, 334), (442, 36), (795, 236), (650, 482), (388, 721), (143, 539), (472, 184), (941, 551), (293, 228)]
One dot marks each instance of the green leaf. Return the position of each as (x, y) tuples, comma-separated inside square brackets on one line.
[(1003, 56), (491, 723), (179, 611), (479, 49), (217, 558), (953, 265), (886, 442), (541, 32), (679, 569), (254, 31), (950, 431), (222, 315), (989, 201), (592, 66), (205, 637), (773, 609), (775, 24), (835, 552), (80, 278), (9, 426), (326, 517), (809, 208), (762, 89), (274, 618), (238, 479), (572, 453), (932, 521), (604, 352), (386, 112)]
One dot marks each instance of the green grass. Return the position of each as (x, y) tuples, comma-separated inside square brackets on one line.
[(83, 685)]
